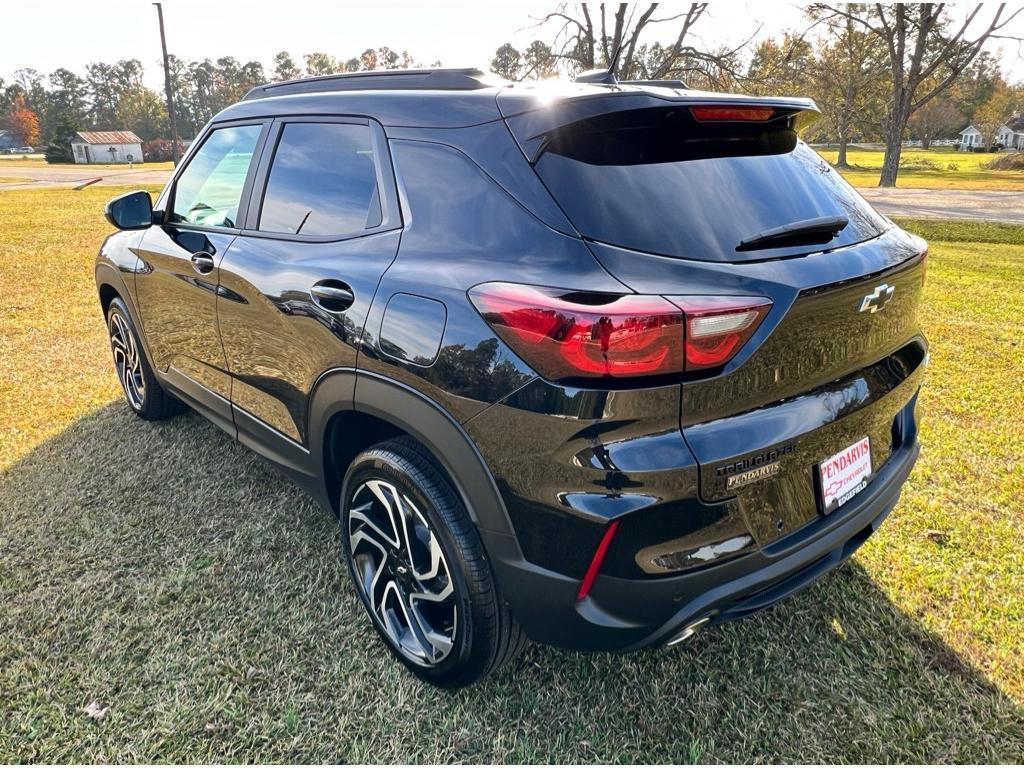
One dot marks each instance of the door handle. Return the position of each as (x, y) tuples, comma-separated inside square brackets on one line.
[(333, 295), (202, 262)]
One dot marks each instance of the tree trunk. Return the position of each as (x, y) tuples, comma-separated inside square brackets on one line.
[(926, 142), (841, 159), (893, 148)]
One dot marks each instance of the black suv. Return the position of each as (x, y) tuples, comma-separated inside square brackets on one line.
[(593, 363)]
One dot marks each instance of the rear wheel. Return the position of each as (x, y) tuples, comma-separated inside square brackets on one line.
[(142, 391), (419, 567)]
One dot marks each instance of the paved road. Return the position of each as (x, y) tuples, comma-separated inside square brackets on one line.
[(46, 176), (949, 203), (931, 203)]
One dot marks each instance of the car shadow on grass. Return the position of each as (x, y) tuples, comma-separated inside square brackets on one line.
[(170, 576)]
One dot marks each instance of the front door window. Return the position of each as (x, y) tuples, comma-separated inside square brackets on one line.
[(209, 189)]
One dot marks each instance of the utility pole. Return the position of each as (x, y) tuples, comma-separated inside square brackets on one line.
[(167, 87)]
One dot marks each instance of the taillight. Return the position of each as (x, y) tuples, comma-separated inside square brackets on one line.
[(566, 335), (570, 335), (717, 326), (733, 114)]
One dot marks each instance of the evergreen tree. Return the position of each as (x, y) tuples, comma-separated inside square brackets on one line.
[(59, 148)]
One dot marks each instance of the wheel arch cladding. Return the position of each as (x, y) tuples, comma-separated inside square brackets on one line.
[(350, 412)]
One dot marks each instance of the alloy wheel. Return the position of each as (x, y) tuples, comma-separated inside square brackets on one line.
[(127, 361), (402, 573)]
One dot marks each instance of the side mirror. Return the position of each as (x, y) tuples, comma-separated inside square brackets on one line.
[(132, 210)]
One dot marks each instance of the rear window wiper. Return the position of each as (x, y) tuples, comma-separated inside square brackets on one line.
[(805, 232)]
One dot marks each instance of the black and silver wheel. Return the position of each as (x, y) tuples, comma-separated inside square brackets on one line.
[(402, 573), (419, 567), (127, 361), (142, 391)]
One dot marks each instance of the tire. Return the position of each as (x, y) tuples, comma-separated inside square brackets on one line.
[(143, 393), (443, 617)]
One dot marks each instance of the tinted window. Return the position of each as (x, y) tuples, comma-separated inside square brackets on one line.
[(323, 181), (656, 180), (210, 187)]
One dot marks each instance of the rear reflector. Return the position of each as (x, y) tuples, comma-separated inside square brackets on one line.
[(597, 559), (565, 335), (734, 114)]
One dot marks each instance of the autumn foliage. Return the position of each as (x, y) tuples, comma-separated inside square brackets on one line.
[(23, 123)]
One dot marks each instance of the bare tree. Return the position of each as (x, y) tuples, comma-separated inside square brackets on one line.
[(849, 81), (587, 40), (937, 117), (926, 54)]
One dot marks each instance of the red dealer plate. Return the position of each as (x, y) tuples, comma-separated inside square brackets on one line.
[(844, 475)]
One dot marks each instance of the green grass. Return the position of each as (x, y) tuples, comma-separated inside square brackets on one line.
[(964, 231), (165, 572), (866, 165)]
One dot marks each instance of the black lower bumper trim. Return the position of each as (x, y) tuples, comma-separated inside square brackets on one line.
[(626, 614)]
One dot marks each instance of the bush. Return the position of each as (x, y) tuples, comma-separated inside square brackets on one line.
[(1009, 161), (159, 150), (952, 167)]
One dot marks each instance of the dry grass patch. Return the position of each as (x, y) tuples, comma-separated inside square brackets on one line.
[(165, 577)]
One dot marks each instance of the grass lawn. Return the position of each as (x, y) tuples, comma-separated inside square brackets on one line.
[(14, 179), (165, 572), (954, 169)]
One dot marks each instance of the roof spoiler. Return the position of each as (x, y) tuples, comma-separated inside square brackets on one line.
[(531, 126)]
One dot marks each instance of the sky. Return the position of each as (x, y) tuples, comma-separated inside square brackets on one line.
[(72, 34)]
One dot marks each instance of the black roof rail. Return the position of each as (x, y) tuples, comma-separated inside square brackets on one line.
[(466, 79)]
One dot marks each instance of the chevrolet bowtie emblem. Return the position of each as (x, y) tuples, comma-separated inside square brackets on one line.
[(878, 298)]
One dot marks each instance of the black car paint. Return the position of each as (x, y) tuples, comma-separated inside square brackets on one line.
[(541, 467)]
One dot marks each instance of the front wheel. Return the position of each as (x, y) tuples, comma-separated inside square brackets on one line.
[(419, 567), (142, 391)]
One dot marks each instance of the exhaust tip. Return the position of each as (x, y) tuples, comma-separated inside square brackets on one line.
[(688, 631)]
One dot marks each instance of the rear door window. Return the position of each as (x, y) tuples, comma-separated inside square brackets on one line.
[(322, 181), (656, 180)]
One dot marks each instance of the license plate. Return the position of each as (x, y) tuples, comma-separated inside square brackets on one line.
[(844, 475)]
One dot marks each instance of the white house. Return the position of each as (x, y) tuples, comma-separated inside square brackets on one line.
[(107, 147), (1011, 135)]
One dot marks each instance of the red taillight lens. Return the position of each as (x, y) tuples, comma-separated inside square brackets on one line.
[(717, 326), (741, 114), (566, 335)]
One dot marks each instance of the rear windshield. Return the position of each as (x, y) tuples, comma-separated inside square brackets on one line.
[(657, 180)]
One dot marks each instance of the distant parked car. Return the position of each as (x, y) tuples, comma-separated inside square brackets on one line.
[(25, 150)]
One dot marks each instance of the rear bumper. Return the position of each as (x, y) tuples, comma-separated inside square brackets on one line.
[(626, 614)]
